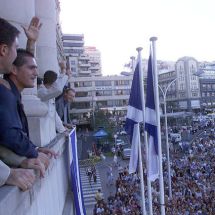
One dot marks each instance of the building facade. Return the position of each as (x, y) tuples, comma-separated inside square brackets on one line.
[(108, 93), (168, 88), (188, 88), (207, 86), (95, 60), (83, 61)]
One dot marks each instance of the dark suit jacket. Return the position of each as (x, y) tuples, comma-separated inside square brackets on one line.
[(13, 133), (62, 108)]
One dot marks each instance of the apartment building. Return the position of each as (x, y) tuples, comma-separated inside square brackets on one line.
[(188, 88), (108, 93), (181, 85), (73, 48), (207, 85), (83, 61), (95, 60), (168, 88)]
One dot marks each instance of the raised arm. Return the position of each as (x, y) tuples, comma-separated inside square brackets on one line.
[(32, 34), (54, 90)]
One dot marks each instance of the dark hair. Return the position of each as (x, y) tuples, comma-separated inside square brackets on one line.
[(21, 57), (68, 89), (49, 77), (8, 32)]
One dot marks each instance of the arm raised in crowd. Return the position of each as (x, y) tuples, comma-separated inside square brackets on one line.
[(54, 90), (53, 87), (32, 34)]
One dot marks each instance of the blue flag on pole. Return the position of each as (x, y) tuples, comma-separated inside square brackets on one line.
[(75, 176), (151, 125), (134, 117)]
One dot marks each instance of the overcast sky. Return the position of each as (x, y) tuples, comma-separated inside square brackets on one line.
[(118, 27)]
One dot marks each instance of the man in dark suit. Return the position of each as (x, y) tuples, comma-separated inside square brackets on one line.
[(23, 178), (14, 133), (63, 106), (14, 127)]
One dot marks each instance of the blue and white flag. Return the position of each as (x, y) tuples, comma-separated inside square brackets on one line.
[(75, 176), (151, 126), (134, 117)]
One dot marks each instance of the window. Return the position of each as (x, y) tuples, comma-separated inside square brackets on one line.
[(83, 94), (83, 84), (117, 103), (73, 62), (204, 86), (81, 105), (122, 92), (104, 93), (181, 87), (102, 83), (121, 82), (102, 104), (181, 95)]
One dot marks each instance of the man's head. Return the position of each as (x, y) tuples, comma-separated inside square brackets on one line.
[(49, 77), (69, 95), (8, 45), (24, 71)]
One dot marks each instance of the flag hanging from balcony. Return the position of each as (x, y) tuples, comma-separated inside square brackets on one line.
[(75, 176), (151, 126), (134, 117)]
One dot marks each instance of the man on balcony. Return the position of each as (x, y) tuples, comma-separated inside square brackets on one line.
[(22, 178), (63, 106), (14, 127)]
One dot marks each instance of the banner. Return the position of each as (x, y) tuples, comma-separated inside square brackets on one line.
[(75, 176)]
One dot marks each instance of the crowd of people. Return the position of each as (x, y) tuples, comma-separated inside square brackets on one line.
[(193, 178), (126, 200), (20, 158), (193, 182)]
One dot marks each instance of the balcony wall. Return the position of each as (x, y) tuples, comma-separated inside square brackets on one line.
[(48, 195)]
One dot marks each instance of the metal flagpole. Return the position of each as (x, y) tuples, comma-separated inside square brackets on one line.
[(139, 145), (154, 66), (149, 190)]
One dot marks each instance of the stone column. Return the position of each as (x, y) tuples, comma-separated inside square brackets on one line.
[(46, 46)]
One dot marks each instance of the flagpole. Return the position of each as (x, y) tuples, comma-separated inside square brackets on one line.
[(149, 190), (139, 145), (154, 66)]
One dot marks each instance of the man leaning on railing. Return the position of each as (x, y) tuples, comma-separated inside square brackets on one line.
[(14, 135), (22, 178)]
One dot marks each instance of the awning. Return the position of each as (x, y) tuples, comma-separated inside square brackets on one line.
[(100, 133)]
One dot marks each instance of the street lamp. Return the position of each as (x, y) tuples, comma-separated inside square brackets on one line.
[(164, 92), (93, 110)]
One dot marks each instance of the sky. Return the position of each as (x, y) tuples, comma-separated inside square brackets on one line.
[(117, 27)]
